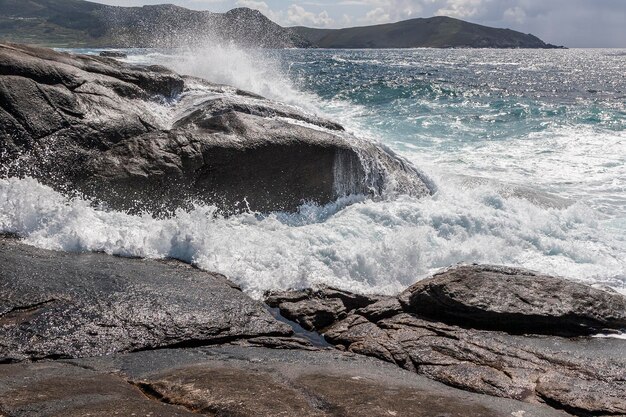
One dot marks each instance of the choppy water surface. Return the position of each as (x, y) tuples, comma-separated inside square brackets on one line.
[(527, 148)]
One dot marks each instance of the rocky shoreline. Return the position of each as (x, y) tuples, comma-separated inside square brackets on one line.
[(93, 334), (87, 334), (493, 330)]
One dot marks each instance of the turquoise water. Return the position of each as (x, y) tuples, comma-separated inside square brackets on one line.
[(551, 120), (527, 149)]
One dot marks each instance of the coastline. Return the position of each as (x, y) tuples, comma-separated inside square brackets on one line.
[(509, 341)]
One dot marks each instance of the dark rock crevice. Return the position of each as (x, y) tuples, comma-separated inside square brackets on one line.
[(191, 342), (24, 312), (149, 392)]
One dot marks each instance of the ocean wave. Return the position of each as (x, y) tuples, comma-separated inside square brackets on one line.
[(517, 133), (364, 246)]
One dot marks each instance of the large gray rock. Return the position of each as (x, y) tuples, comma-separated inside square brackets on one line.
[(585, 376), (234, 381), (515, 300), (64, 305), (89, 124)]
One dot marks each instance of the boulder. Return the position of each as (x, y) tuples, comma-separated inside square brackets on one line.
[(113, 54), (66, 305), (516, 301), (235, 381), (143, 138)]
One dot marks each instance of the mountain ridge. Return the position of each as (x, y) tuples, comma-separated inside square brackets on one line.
[(79, 23), (433, 32)]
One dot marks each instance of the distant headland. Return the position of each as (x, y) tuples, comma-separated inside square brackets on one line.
[(78, 23)]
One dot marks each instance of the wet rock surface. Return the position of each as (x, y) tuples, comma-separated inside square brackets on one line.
[(564, 375), (64, 305), (113, 54), (144, 138), (584, 376), (235, 381), (75, 315), (515, 300)]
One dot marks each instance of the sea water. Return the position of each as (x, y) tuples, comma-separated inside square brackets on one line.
[(527, 149)]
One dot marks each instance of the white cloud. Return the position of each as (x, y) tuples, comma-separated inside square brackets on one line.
[(295, 15), (462, 8), (515, 14), (299, 16), (385, 11), (346, 20), (375, 16)]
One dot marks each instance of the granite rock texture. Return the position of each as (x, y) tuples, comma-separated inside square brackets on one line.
[(236, 381), (66, 305), (492, 330), (144, 138)]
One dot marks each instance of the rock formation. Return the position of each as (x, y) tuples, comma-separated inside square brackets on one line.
[(464, 327), (93, 334), (516, 301), (64, 305), (88, 124)]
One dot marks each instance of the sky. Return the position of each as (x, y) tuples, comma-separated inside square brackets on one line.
[(573, 23)]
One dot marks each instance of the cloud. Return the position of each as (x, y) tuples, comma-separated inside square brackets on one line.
[(385, 11), (294, 15), (375, 16), (515, 14), (297, 15), (462, 8)]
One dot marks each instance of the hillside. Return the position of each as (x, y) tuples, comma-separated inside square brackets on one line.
[(435, 32), (76, 23)]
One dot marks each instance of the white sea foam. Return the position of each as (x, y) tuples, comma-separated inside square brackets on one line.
[(367, 246), (611, 336), (374, 247), (250, 70)]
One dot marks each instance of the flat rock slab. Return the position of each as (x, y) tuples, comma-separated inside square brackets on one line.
[(515, 300), (65, 305), (57, 389), (236, 381)]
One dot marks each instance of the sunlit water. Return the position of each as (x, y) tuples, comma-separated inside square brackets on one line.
[(527, 148)]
